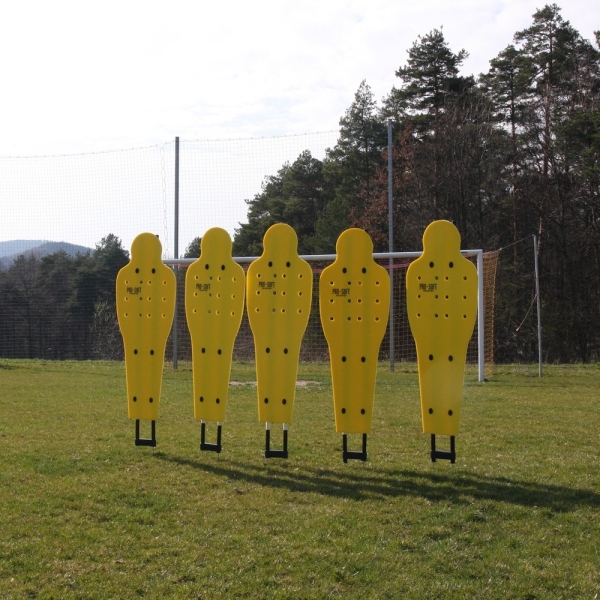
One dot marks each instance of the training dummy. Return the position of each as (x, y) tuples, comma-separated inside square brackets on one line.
[(145, 309), (354, 300), (214, 304), (441, 292), (279, 293)]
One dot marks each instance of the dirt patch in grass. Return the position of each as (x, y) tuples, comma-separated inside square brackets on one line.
[(302, 383)]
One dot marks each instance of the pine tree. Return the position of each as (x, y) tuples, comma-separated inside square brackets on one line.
[(294, 196), (430, 78), (193, 248), (358, 152), (507, 85)]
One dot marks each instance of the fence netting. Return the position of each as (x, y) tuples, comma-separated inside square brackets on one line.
[(217, 177), (68, 222)]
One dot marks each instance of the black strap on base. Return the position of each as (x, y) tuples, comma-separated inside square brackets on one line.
[(145, 441), (354, 454), (276, 453), (210, 447), (443, 454)]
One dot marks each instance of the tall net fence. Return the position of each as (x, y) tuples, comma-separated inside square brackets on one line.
[(55, 287), (218, 176), (63, 218), (80, 199)]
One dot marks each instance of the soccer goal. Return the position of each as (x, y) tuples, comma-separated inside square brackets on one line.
[(398, 345)]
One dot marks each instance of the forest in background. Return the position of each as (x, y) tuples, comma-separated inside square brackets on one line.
[(509, 154), (62, 307), (512, 153)]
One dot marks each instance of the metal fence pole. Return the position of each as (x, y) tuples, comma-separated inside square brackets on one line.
[(537, 295), (176, 255), (391, 241), (480, 317)]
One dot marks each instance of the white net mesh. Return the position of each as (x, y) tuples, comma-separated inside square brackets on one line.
[(63, 306), (81, 198), (218, 176)]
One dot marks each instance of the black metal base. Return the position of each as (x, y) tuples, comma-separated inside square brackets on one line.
[(210, 447), (443, 454), (145, 441), (276, 453), (354, 455)]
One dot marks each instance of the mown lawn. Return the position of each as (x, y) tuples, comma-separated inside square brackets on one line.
[(86, 514)]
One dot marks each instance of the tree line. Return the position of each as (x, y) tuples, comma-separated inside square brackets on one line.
[(509, 154), (61, 307)]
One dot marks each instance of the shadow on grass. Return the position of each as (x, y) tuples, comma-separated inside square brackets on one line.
[(381, 483)]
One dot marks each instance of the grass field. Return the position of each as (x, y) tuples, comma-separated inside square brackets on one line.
[(85, 514)]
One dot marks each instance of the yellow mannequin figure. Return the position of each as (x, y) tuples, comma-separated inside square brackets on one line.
[(441, 292), (145, 309), (354, 300), (279, 293), (214, 304)]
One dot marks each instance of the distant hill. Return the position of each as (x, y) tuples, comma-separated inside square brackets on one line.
[(10, 251), (18, 246)]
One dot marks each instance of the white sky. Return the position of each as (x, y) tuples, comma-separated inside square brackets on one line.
[(81, 76)]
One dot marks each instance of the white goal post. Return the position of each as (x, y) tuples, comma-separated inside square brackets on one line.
[(477, 254)]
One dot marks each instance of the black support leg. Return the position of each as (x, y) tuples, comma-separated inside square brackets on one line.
[(355, 455), (443, 454), (210, 447), (145, 441), (276, 453)]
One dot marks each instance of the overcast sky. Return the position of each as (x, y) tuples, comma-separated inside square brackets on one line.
[(81, 76)]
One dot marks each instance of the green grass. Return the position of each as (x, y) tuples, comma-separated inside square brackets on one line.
[(85, 514)]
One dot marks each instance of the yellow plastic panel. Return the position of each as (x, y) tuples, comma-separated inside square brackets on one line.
[(441, 291), (214, 304), (279, 293), (145, 309), (354, 300)]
